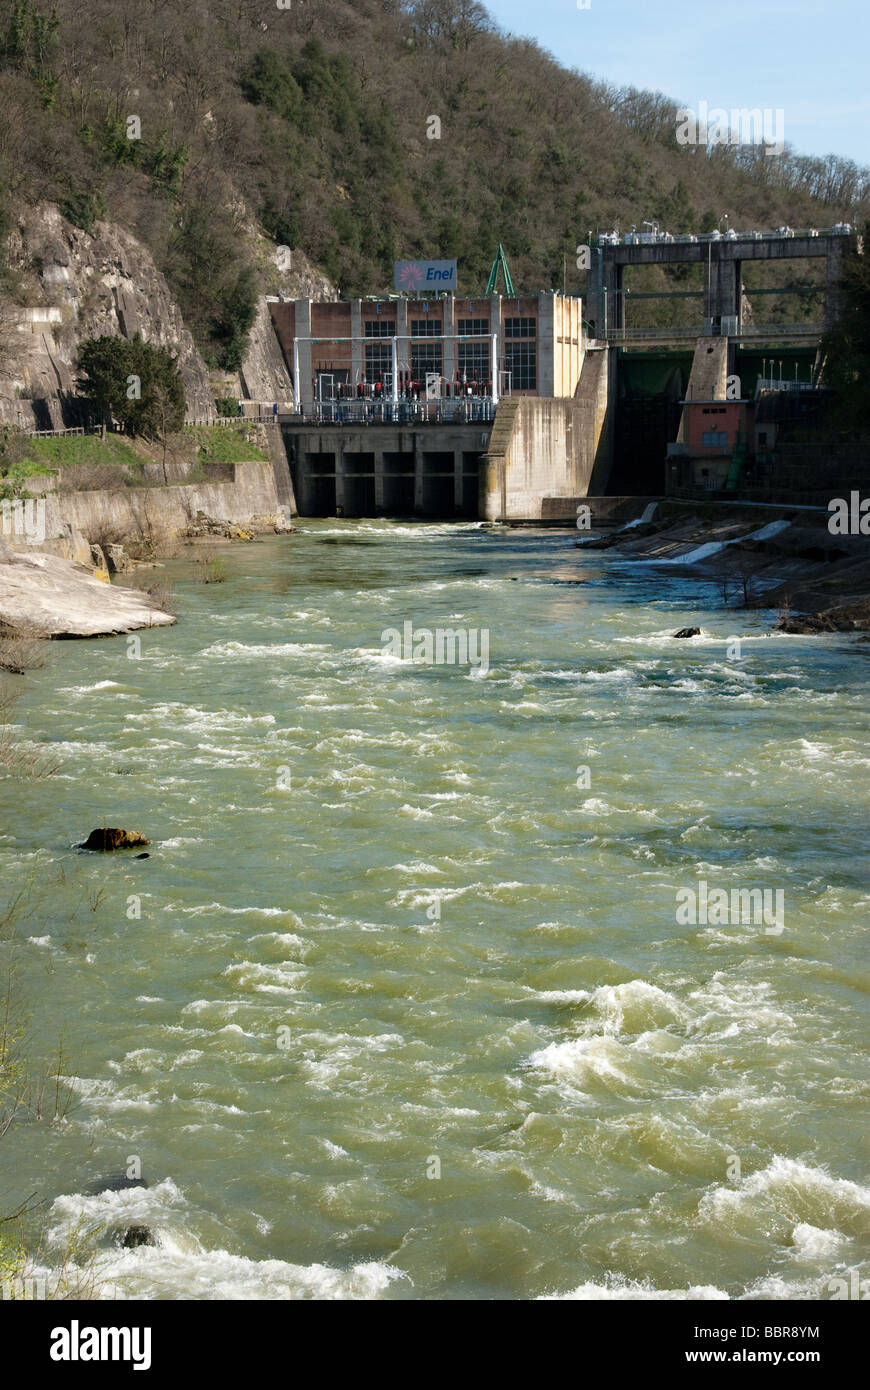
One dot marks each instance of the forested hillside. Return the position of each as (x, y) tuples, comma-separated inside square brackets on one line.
[(311, 123)]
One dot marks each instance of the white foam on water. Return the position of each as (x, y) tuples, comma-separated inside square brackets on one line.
[(266, 979), (107, 1096), (236, 651), (196, 720), (88, 689), (561, 996), (648, 513), (796, 1193), (178, 1267), (726, 1006), (703, 552), (617, 1289), (635, 1007), (773, 528), (811, 1243), (207, 909), (585, 1062)]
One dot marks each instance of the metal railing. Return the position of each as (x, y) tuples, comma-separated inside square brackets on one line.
[(754, 330), (473, 410)]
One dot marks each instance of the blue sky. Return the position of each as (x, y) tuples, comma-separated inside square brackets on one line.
[(809, 57)]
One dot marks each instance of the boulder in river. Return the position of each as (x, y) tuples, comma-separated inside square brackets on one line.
[(134, 1236), (110, 838), (688, 632)]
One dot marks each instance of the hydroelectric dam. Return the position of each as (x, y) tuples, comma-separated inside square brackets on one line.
[(515, 408)]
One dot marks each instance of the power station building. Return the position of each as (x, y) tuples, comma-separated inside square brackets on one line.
[(441, 348)]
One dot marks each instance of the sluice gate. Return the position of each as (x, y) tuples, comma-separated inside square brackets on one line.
[(386, 470)]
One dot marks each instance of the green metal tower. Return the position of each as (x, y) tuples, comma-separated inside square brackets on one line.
[(500, 260)]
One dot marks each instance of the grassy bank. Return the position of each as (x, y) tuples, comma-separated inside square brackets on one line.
[(225, 443), (120, 461)]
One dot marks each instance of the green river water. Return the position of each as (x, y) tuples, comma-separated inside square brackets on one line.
[(407, 1011)]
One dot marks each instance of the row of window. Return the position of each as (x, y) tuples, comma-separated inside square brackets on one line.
[(473, 361), (469, 328)]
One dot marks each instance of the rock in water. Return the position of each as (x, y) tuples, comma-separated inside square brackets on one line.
[(688, 632), (136, 1235), (111, 838)]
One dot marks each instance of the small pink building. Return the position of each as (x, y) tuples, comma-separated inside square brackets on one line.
[(715, 427)]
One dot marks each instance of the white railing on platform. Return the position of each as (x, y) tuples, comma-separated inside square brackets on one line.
[(474, 410)]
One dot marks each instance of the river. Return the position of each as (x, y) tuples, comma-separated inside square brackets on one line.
[(401, 1005)]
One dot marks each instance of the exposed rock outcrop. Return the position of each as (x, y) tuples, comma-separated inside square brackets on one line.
[(53, 597), (264, 376), (135, 1236), (84, 286)]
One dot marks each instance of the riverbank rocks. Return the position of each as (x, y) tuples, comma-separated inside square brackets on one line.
[(52, 597), (207, 526), (846, 617), (109, 839), (688, 632)]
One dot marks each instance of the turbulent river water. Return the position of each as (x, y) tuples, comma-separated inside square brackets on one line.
[(401, 1005)]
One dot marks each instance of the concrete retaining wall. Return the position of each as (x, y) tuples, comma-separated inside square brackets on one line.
[(604, 511), (119, 513)]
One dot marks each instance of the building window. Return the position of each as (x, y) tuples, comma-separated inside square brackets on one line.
[(473, 362), (520, 328), (380, 328), (425, 357), (379, 361), (520, 359), (762, 437), (472, 327), (714, 439), (425, 328)]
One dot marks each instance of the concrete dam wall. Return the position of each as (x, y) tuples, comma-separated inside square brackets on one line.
[(543, 449), (386, 470)]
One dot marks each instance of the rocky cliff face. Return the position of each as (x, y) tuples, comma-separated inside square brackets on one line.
[(264, 374), (81, 286)]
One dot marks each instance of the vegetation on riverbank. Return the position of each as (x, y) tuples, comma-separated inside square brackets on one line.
[(117, 461)]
